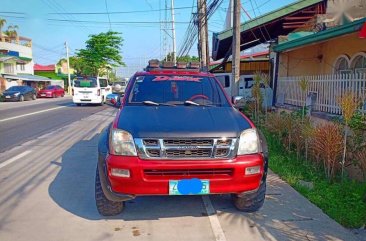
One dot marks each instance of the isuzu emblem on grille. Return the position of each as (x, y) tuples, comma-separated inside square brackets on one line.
[(187, 147)]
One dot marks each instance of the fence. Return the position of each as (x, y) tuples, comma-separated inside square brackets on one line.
[(325, 89)]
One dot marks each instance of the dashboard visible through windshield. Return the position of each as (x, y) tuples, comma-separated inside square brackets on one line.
[(177, 89)]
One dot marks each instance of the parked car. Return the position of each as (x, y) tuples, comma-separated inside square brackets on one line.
[(20, 93), (177, 133), (52, 91), (119, 86)]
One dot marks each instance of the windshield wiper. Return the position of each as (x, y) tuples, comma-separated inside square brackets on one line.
[(149, 102), (189, 102)]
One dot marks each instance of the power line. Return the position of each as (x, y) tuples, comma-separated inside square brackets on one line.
[(124, 12), (109, 19), (101, 22), (13, 13)]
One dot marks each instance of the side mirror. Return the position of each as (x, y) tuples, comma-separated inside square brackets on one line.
[(238, 101)]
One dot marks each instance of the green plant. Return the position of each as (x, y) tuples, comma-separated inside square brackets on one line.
[(348, 104), (342, 201), (304, 88), (327, 146), (266, 82), (256, 93)]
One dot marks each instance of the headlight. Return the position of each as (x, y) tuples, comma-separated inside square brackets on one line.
[(16, 94), (248, 142), (121, 143)]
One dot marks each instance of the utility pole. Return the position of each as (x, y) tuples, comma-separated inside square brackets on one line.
[(68, 68), (236, 50), (202, 26), (206, 34), (173, 34)]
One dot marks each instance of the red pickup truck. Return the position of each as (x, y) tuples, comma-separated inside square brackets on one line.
[(177, 133)]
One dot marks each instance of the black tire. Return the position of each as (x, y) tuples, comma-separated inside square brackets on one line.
[(105, 207), (78, 104), (62, 95), (250, 202), (54, 96), (34, 97), (21, 98)]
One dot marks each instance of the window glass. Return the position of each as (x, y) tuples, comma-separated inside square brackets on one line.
[(341, 66), (103, 82), (176, 89), (224, 80), (85, 82)]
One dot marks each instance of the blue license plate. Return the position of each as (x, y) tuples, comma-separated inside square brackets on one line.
[(192, 186)]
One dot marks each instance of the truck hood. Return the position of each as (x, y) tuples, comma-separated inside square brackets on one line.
[(181, 121)]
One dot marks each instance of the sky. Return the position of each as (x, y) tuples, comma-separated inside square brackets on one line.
[(39, 20)]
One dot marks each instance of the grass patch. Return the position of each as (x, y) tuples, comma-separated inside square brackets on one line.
[(344, 201)]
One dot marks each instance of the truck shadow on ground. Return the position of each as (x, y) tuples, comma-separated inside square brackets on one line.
[(281, 218), (73, 190)]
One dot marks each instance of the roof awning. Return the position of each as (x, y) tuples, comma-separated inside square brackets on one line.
[(267, 27), (321, 36), (26, 77)]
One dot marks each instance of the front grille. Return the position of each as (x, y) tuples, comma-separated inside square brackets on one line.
[(226, 142), (221, 152), (176, 149), (151, 142), (188, 142), (188, 153), (153, 152), (189, 172)]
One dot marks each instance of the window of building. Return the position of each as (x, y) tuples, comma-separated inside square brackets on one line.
[(342, 65), (21, 67), (8, 68), (358, 63)]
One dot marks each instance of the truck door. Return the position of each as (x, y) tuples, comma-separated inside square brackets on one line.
[(245, 86)]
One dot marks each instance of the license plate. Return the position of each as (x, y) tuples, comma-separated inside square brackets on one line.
[(43, 94), (7, 97), (86, 96), (189, 187)]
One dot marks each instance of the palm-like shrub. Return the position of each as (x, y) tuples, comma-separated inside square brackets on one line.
[(327, 145)]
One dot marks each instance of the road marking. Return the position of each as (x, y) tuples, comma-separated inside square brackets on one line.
[(214, 220), (13, 159), (33, 113)]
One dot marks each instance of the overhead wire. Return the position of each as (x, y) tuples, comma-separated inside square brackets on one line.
[(124, 12)]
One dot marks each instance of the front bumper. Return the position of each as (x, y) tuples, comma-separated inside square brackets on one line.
[(11, 98), (151, 177), (94, 100), (42, 95)]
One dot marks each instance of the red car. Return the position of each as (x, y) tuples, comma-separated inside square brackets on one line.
[(177, 133), (52, 91)]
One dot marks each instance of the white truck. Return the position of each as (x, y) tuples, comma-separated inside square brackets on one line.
[(246, 83)]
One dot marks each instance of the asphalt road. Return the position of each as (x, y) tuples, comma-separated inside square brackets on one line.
[(47, 193), (24, 121)]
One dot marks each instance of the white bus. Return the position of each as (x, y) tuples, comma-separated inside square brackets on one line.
[(90, 90)]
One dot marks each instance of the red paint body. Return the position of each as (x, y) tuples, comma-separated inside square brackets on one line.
[(53, 91), (141, 183)]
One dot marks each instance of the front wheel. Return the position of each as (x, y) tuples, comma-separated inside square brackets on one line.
[(250, 202), (21, 98), (105, 207), (34, 97)]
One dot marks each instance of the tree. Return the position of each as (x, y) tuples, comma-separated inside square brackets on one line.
[(12, 32), (102, 50), (185, 58), (2, 24)]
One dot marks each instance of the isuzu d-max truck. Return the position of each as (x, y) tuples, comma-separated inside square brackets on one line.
[(177, 133)]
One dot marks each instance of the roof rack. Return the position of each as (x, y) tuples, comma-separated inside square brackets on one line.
[(155, 64)]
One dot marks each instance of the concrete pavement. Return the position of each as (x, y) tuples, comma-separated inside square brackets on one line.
[(47, 193)]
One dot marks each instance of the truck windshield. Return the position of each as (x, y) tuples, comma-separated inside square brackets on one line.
[(177, 89), (86, 83)]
